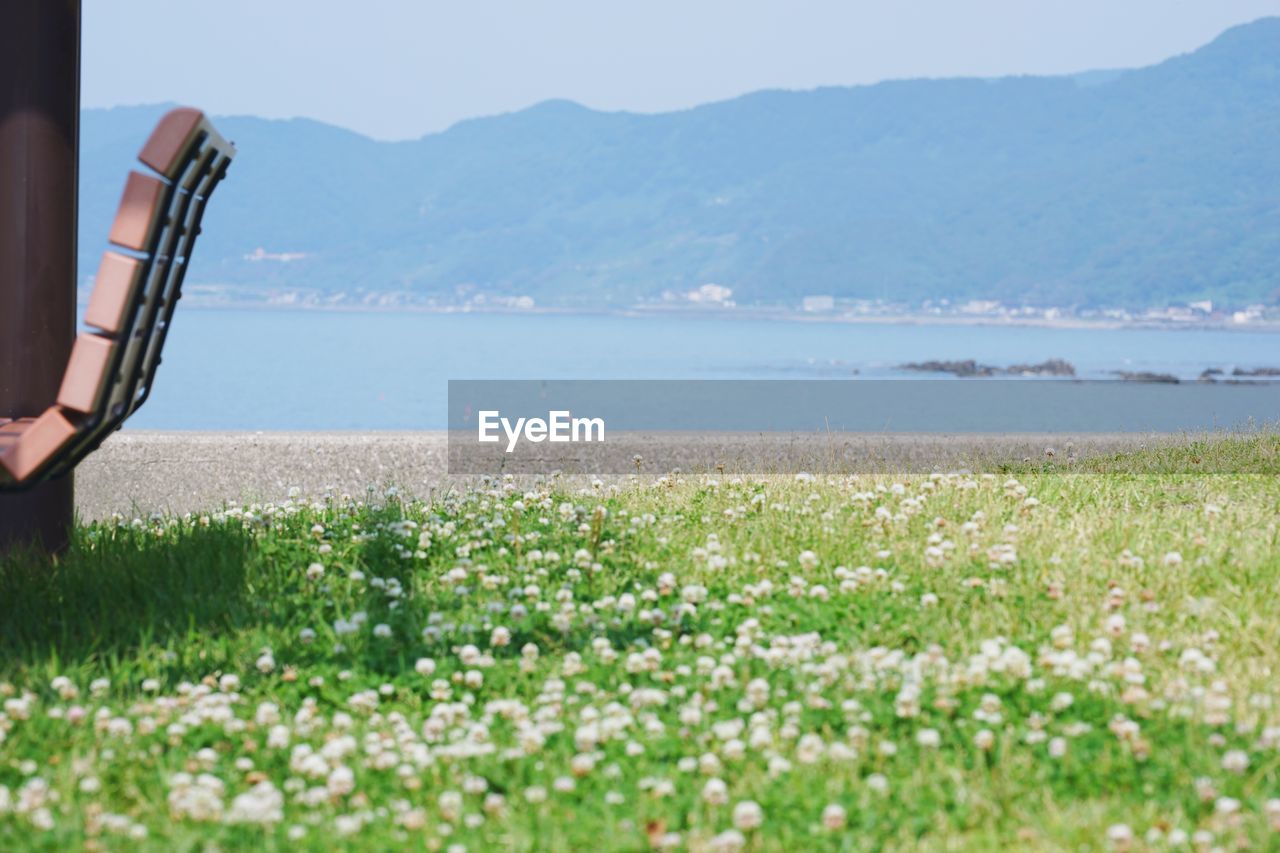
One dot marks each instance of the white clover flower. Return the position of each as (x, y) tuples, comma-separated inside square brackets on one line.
[(757, 692), (1120, 836), (929, 738), (347, 824), (262, 804), (715, 792), (475, 785), (729, 841), (315, 571), (1236, 761), (450, 805), (810, 748), (382, 630), (64, 687), (747, 815), (119, 727), (197, 798), (834, 818), (425, 666), (267, 714), (582, 764), (907, 702)]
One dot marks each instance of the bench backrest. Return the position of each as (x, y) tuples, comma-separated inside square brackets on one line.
[(112, 369)]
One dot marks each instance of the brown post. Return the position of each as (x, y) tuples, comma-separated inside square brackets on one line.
[(39, 149)]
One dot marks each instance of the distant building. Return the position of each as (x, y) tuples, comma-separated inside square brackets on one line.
[(818, 304), (980, 306), (1252, 314), (711, 294), (260, 254)]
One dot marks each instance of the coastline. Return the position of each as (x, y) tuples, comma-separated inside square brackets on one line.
[(765, 314)]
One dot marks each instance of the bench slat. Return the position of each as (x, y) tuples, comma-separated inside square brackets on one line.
[(86, 377), (138, 217), (170, 141), (114, 290), (37, 444)]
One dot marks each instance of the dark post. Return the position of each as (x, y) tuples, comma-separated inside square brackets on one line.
[(39, 148)]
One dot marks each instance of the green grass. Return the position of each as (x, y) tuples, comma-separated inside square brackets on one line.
[(1255, 454), (1102, 656)]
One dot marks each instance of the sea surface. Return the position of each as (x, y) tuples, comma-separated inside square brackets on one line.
[(310, 370)]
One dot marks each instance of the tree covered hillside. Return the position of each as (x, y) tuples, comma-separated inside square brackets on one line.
[(1133, 188)]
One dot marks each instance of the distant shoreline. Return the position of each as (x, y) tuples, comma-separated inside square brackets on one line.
[(781, 315)]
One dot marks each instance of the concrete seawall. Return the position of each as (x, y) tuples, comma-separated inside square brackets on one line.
[(137, 473)]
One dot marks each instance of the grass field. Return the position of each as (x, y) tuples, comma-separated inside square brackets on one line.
[(1043, 657)]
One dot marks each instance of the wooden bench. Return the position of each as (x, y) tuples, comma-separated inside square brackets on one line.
[(112, 368)]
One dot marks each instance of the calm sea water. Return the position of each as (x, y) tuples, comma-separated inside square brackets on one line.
[(282, 370)]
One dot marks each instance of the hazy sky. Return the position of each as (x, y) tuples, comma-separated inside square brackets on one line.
[(395, 69)]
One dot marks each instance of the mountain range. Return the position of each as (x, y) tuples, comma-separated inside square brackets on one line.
[(1136, 188)]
